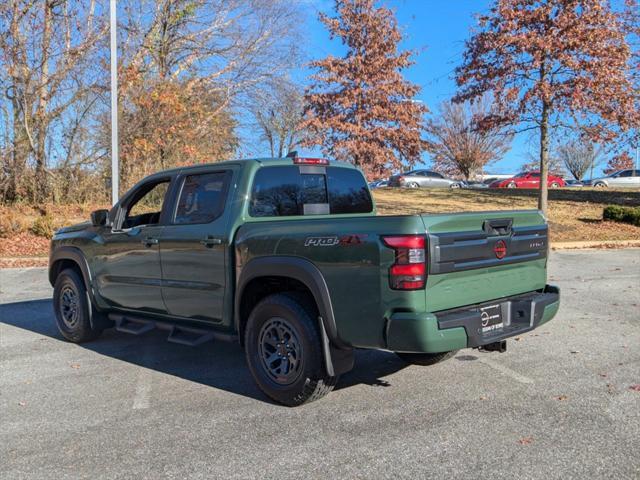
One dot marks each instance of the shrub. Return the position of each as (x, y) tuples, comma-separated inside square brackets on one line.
[(43, 226), (11, 223), (618, 213)]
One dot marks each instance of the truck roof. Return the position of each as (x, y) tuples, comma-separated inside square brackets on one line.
[(263, 161)]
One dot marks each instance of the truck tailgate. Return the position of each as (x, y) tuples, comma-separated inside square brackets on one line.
[(481, 256)]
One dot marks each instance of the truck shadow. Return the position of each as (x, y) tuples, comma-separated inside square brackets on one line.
[(216, 364)]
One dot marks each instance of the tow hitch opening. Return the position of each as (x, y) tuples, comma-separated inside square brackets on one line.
[(500, 346)]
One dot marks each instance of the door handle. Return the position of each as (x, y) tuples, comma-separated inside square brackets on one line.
[(149, 241), (210, 241)]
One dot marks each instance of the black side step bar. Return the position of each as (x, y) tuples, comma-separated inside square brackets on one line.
[(132, 326), (182, 334), (189, 336)]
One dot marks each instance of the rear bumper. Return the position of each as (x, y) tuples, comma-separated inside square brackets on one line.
[(462, 327)]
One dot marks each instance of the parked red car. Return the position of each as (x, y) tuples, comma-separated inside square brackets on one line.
[(527, 180)]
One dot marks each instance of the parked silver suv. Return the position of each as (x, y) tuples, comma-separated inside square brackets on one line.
[(423, 179), (623, 178)]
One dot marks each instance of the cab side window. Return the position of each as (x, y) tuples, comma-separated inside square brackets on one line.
[(146, 205), (202, 197)]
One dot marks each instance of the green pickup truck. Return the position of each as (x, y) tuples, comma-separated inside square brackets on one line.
[(287, 257)]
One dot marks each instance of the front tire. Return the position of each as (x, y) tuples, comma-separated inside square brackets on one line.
[(426, 359), (413, 185), (512, 185), (600, 185), (554, 185), (284, 350), (72, 308)]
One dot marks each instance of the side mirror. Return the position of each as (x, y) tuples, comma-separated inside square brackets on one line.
[(99, 217)]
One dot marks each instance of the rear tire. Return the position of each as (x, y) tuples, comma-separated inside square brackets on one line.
[(554, 185), (426, 359), (283, 348), (72, 308), (413, 185), (600, 185), (512, 185)]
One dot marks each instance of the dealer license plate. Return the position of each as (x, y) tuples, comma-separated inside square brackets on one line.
[(491, 318)]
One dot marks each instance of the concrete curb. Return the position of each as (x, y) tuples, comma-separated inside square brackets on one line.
[(600, 244)]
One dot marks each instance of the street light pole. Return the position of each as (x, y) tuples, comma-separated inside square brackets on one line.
[(114, 104)]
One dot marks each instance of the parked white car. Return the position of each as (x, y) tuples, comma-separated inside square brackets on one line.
[(623, 178), (423, 179)]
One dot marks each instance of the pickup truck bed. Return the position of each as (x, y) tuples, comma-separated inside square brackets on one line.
[(462, 266)]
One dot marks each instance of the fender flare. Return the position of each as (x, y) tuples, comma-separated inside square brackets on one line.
[(75, 255), (337, 354)]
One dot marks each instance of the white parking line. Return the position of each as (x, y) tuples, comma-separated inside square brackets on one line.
[(506, 370), (143, 390)]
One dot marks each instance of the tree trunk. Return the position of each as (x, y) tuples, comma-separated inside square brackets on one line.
[(544, 145), (20, 143), (41, 112), (544, 158), (19, 154)]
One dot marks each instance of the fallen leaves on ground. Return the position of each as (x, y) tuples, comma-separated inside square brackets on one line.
[(526, 441), (25, 262), (560, 398), (24, 244), (635, 388)]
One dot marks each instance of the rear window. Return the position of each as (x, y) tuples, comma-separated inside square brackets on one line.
[(284, 191)]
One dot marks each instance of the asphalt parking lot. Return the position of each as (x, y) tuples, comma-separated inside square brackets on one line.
[(558, 404)]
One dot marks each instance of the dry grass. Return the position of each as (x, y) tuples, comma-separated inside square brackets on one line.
[(574, 214)]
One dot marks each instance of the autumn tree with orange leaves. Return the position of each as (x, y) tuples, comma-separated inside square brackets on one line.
[(360, 108), (170, 124), (622, 161), (553, 64)]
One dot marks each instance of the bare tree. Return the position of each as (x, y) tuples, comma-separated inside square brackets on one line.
[(579, 155), (457, 143), (278, 113), (45, 48), (228, 46), (196, 62)]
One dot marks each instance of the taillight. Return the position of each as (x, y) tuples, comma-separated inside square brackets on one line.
[(400, 179), (409, 270)]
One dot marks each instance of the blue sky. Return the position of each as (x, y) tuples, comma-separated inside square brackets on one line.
[(436, 30)]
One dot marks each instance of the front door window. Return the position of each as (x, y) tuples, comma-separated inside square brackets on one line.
[(146, 206)]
